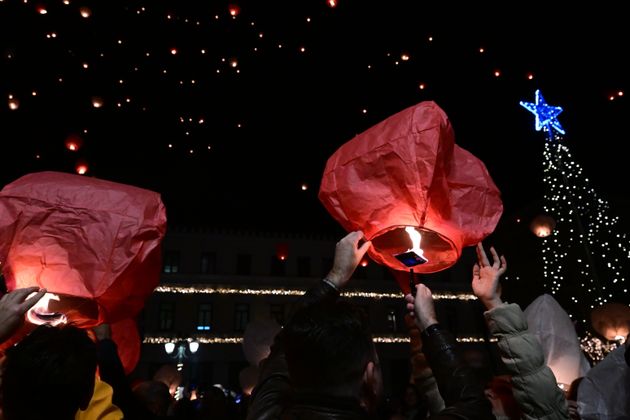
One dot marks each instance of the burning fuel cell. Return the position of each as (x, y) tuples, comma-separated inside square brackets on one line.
[(415, 255)]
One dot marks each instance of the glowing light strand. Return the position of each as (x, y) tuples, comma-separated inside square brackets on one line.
[(236, 339), (202, 289), (583, 246)]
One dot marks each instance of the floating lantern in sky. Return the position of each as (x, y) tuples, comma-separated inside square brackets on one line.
[(73, 143), (14, 104), (304, 187), (97, 102), (86, 12), (332, 3), (542, 225), (404, 57), (41, 10), (234, 10), (81, 167), (415, 194)]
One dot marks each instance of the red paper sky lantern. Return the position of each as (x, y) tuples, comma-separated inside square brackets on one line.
[(404, 179), (93, 243), (73, 143), (542, 225)]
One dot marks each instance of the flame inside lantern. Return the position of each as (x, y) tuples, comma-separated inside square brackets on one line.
[(41, 313)]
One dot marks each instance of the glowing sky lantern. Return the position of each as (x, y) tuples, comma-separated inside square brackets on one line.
[(93, 244), (73, 143), (413, 192), (542, 225), (234, 9), (86, 12), (14, 104), (97, 102), (612, 321), (81, 167)]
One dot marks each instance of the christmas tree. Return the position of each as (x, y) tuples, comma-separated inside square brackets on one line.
[(584, 257)]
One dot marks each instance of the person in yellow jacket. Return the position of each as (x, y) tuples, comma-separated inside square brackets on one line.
[(100, 406)]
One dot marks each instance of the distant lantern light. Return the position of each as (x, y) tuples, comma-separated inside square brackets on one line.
[(364, 263), (234, 10), (497, 73), (364, 111), (173, 51), (422, 86), (41, 10), (482, 50), (308, 19), (430, 39), (73, 143), (86, 12), (13, 103), (404, 57), (530, 76), (66, 2), (612, 98), (234, 62), (332, 3), (97, 102), (542, 225), (86, 65), (302, 49), (620, 93), (304, 187), (34, 93), (81, 168)]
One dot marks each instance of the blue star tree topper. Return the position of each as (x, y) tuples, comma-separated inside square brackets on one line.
[(546, 115)]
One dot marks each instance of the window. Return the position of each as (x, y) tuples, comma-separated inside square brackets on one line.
[(244, 264), (241, 316), (277, 312), (204, 318), (166, 316), (304, 267), (392, 320), (171, 262), (278, 267), (208, 263)]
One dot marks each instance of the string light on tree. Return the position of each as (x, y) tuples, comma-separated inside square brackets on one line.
[(584, 257)]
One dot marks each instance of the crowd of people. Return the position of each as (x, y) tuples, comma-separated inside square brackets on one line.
[(323, 365)]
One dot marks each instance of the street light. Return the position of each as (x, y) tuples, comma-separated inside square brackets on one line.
[(181, 354)]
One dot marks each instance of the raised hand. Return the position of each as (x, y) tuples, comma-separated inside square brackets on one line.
[(348, 255), (422, 307), (485, 281), (13, 306)]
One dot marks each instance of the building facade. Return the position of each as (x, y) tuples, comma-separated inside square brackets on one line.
[(217, 283)]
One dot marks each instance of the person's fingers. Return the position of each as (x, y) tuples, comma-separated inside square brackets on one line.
[(409, 298), (364, 248), (476, 270), (503, 265), (21, 294), (355, 237), (30, 302), (496, 263), (483, 258)]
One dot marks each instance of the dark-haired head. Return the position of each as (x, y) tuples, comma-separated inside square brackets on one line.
[(329, 349), (49, 373)]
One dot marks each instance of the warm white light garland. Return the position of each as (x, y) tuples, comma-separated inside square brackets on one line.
[(203, 289)]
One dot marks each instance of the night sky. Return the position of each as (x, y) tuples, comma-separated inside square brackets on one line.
[(228, 109)]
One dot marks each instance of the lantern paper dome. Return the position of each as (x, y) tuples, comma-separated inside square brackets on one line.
[(406, 171), (612, 321)]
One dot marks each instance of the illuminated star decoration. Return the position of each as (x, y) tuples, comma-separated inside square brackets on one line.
[(546, 115)]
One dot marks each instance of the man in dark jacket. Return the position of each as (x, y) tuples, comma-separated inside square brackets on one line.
[(323, 365)]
